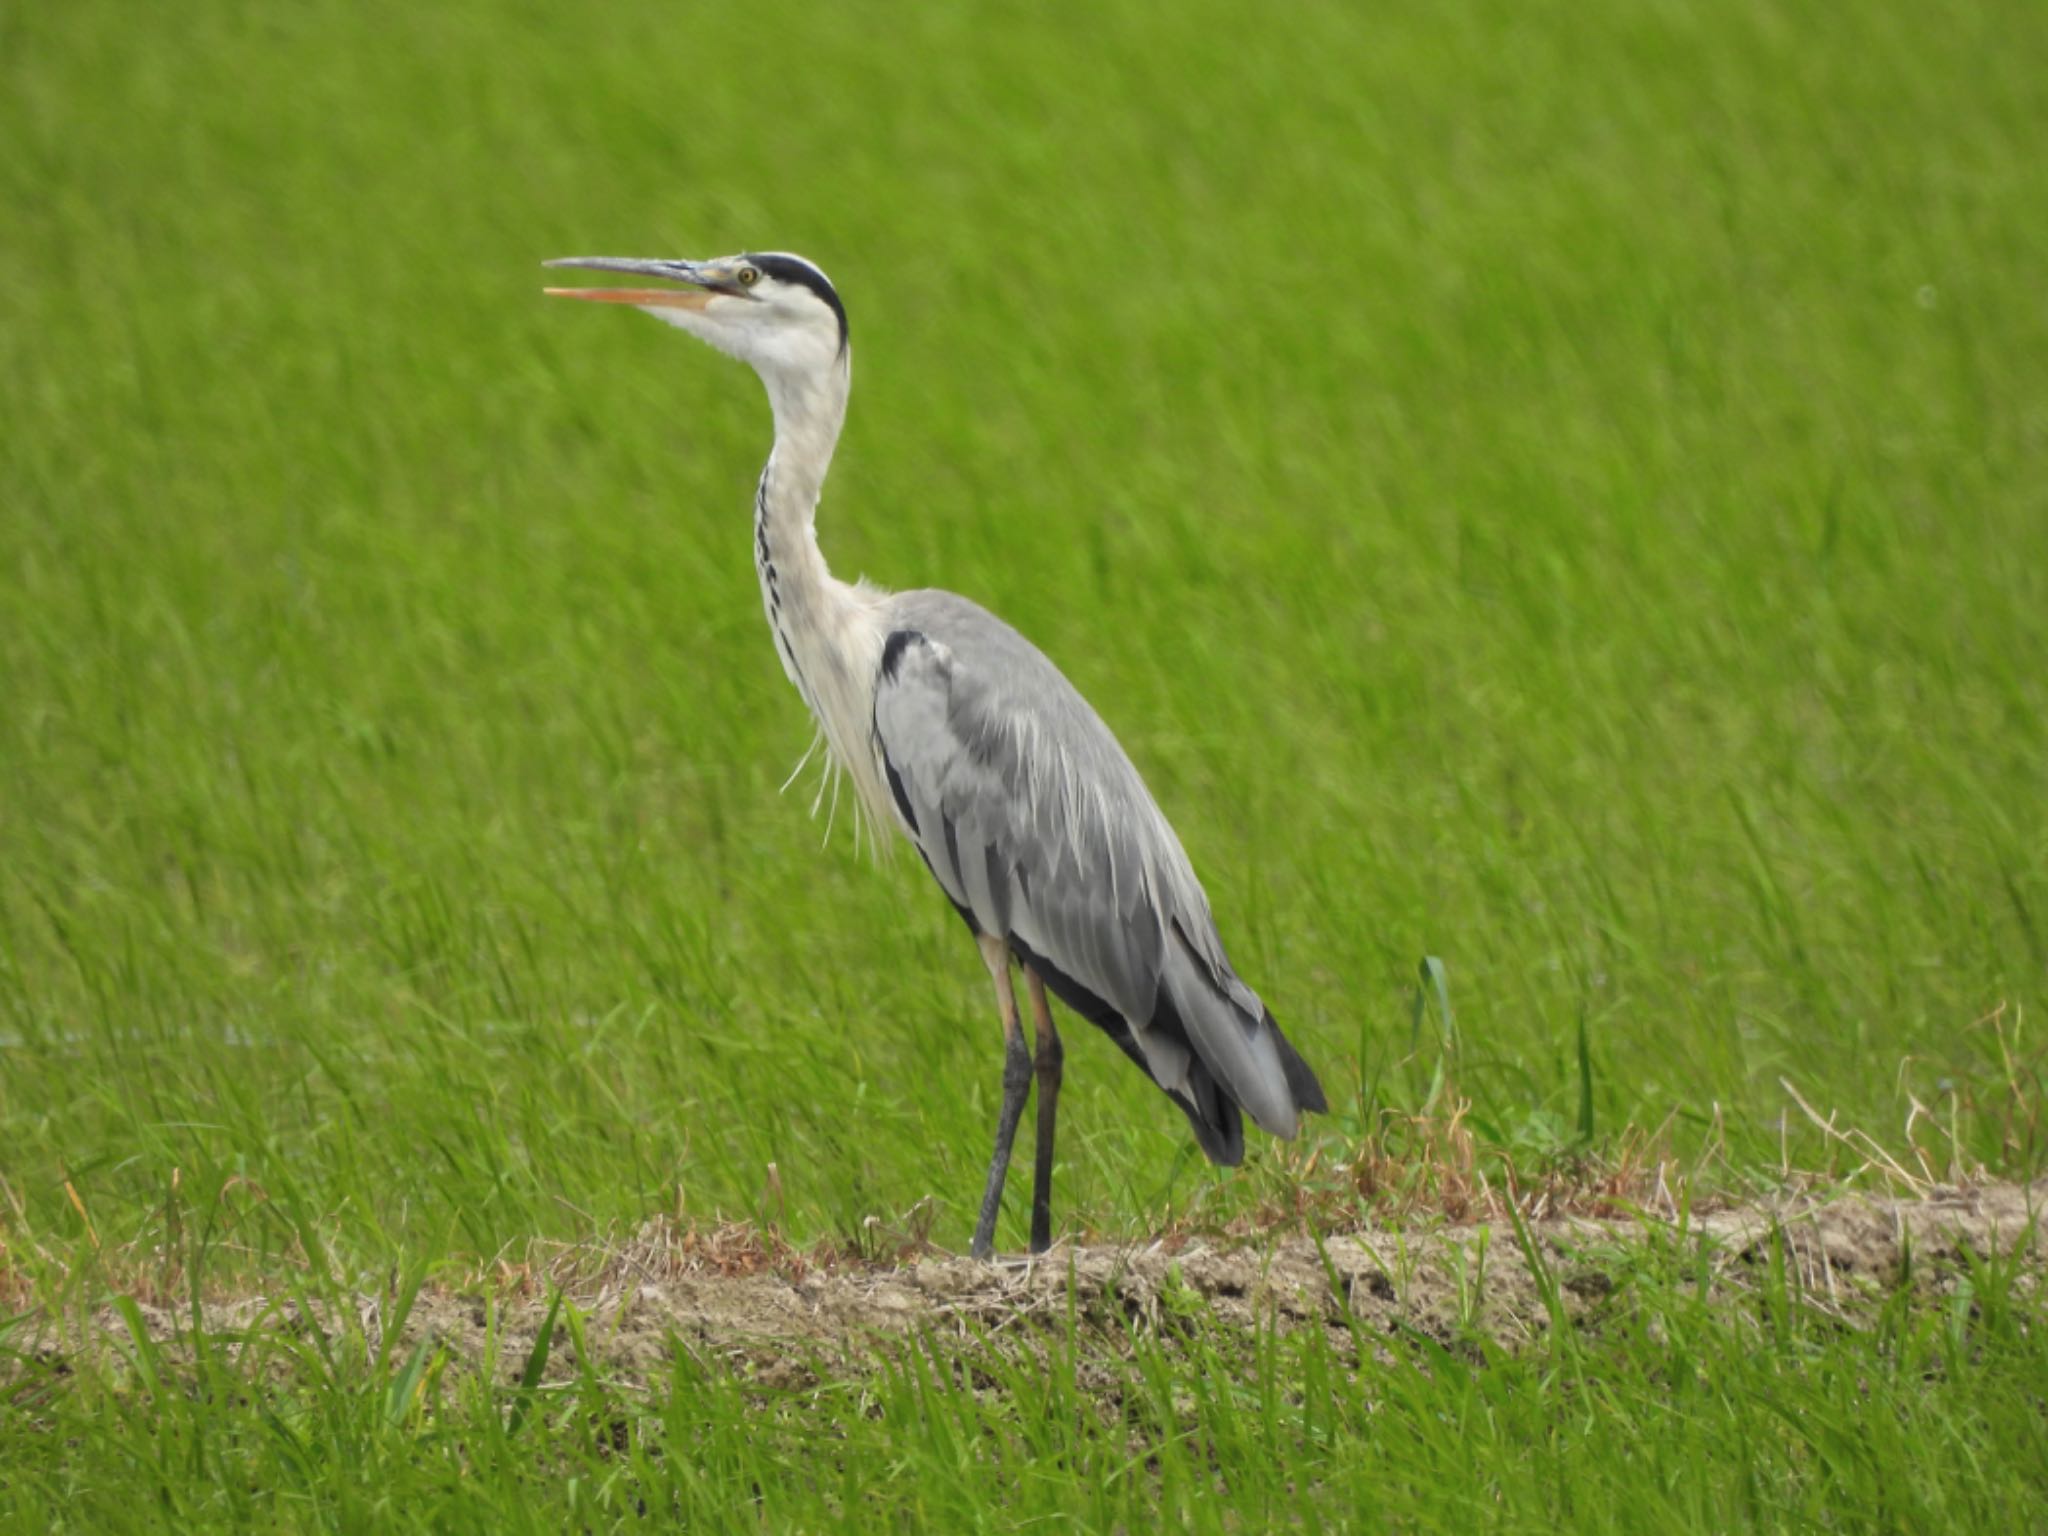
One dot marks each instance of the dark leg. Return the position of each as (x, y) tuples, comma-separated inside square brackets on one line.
[(1016, 1089), (1050, 1055)]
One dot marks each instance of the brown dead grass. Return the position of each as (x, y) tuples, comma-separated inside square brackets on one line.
[(744, 1299)]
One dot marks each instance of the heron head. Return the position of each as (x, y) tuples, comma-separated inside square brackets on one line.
[(773, 310)]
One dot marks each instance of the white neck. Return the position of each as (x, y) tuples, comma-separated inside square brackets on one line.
[(827, 632)]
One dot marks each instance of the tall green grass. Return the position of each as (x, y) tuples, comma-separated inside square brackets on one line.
[(1560, 490), (1557, 493)]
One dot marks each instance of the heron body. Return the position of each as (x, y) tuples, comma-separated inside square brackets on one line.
[(956, 729)]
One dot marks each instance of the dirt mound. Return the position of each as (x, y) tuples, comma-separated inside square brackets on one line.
[(735, 1303)]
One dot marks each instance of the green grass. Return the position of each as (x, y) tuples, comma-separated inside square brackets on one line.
[(1681, 1416), (1562, 490)]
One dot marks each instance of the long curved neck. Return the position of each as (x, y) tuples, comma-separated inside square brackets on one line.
[(797, 588), (827, 632)]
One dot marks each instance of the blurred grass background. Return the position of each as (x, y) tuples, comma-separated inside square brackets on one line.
[(1562, 489)]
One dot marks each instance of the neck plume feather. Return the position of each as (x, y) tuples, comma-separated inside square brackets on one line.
[(827, 632)]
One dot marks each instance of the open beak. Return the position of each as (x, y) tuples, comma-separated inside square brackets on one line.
[(705, 279)]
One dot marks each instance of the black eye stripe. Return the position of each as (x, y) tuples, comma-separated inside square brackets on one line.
[(794, 269)]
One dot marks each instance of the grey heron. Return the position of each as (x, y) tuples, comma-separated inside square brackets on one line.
[(960, 732)]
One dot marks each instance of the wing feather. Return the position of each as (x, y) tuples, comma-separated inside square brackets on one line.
[(1040, 830)]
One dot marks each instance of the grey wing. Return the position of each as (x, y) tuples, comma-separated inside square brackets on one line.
[(1038, 828)]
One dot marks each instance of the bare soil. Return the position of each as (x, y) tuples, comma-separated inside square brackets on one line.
[(780, 1317)]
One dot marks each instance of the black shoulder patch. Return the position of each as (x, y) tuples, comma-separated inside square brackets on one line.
[(894, 647), (794, 269)]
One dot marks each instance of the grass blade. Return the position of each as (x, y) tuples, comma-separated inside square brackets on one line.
[(536, 1366)]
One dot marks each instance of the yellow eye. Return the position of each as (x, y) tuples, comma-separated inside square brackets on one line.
[(749, 276)]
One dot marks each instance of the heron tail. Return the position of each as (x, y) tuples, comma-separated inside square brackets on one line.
[(1199, 1045), (1238, 1054)]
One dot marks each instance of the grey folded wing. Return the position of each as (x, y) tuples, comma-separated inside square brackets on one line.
[(1040, 831)]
